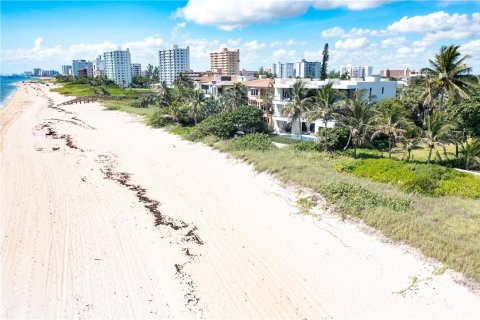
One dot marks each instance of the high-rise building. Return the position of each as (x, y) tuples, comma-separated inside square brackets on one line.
[(67, 70), (284, 70), (136, 70), (225, 62), (307, 69), (118, 67), (171, 62), (356, 71), (98, 67), (37, 72), (85, 66)]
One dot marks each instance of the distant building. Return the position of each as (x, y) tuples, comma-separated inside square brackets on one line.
[(171, 62), (118, 67), (84, 65), (136, 70), (356, 71), (247, 73), (67, 70), (225, 62), (37, 72), (307, 69), (28, 73), (196, 74), (284, 70), (398, 73), (98, 67)]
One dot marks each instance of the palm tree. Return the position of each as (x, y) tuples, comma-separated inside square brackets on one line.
[(357, 115), (298, 104), (322, 107), (436, 132), (471, 153), (235, 97), (197, 103), (164, 95), (390, 121), (409, 144), (448, 74), (183, 83), (174, 112)]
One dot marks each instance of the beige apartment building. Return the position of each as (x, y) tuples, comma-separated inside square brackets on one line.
[(225, 62)]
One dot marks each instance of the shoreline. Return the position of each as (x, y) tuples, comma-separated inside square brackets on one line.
[(100, 225), (12, 109)]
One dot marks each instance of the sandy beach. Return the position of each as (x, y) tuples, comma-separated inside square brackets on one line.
[(104, 217)]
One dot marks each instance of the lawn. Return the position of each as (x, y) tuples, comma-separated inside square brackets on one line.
[(125, 105), (82, 90)]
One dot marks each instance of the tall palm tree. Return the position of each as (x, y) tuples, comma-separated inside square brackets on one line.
[(183, 83), (409, 144), (448, 75), (197, 103), (391, 121), (323, 107), (436, 132), (175, 112), (357, 115), (298, 104), (164, 95)]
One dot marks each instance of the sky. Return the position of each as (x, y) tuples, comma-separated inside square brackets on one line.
[(382, 33)]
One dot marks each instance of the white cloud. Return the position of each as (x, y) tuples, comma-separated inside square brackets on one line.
[(332, 32), (254, 45), (431, 37), (274, 44), (232, 14), (471, 48), (282, 54), (436, 21), (349, 44), (393, 42)]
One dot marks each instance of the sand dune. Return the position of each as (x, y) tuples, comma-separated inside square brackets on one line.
[(103, 217)]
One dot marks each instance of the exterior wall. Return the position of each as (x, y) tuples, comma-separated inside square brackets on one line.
[(78, 65), (306, 69), (67, 70), (374, 87), (356, 71), (284, 70), (228, 62), (118, 67), (172, 62), (136, 69), (98, 67)]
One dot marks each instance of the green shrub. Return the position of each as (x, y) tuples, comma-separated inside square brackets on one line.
[(180, 130), (428, 179), (353, 199), (220, 125), (305, 146), (253, 141), (337, 138), (249, 119)]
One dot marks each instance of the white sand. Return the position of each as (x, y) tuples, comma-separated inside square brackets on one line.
[(77, 245)]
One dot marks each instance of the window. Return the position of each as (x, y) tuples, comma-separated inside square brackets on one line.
[(383, 90), (254, 92)]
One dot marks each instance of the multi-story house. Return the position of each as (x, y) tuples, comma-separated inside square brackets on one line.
[(374, 87), (136, 70), (171, 62), (86, 66), (260, 94), (118, 67), (225, 62)]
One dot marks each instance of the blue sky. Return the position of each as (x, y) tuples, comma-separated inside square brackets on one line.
[(381, 33)]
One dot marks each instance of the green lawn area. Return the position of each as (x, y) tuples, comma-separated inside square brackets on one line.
[(125, 105), (82, 90)]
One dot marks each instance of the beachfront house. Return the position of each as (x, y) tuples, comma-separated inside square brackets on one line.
[(260, 95), (375, 87)]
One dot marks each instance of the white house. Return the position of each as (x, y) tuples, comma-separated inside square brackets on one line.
[(375, 87)]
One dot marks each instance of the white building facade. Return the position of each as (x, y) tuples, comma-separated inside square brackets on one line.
[(67, 70), (171, 62), (301, 69), (284, 70), (356, 71), (374, 87), (82, 68), (98, 67), (136, 70), (118, 67)]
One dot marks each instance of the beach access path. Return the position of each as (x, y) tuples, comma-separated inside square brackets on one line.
[(104, 217)]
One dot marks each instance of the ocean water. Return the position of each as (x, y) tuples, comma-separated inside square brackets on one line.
[(7, 87)]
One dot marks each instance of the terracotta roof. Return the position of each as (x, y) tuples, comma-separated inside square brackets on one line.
[(204, 79), (260, 83)]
